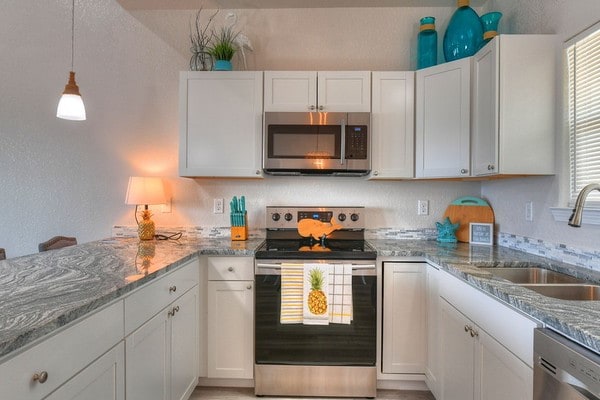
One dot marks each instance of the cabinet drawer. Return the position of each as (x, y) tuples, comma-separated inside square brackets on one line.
[(508, 326), (230, 269), (143, 304), (61, 356)]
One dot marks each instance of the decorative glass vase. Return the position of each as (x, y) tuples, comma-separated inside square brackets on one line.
[(490, 25), (427, 43), (464, 35), (223, 65), (201, 61)]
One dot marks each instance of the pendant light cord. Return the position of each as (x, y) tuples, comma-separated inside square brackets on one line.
[(72, 32)]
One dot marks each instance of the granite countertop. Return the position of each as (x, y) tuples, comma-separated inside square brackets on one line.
[(579, 320), (43, 292)]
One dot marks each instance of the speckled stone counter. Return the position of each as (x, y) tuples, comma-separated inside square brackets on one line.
[(43, 292), (579, 320)]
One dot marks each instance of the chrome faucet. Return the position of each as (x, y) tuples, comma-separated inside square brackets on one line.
[(575, 219)]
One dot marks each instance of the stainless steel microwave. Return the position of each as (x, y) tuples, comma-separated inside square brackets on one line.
[(313, 143)]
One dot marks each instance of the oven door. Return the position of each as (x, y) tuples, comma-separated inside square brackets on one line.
[(316, 142), (351, 344)]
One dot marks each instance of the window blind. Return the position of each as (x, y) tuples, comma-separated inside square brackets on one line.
[(583, 59)]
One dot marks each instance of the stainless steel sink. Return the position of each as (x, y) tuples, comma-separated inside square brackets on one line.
[(567, 292), (532, 275)]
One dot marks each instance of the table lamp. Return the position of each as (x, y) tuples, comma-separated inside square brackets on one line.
[(145, 191)]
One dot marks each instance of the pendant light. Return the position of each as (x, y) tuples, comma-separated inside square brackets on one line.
[(70, 105)]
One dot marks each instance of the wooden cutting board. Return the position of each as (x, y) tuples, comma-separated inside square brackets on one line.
[(465, 210)]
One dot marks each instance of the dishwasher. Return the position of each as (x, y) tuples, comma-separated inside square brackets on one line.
[(563, 369)]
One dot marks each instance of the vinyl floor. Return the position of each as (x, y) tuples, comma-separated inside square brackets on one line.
[(217, 393)]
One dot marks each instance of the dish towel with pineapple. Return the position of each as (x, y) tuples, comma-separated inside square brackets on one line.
[(340, 294), (292, 291), (316, 294)]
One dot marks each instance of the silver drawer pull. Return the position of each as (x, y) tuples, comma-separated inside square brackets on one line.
[(249, 287), (173, 288), (41, 377), (230, 269)]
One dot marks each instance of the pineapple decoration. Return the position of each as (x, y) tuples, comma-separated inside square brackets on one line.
[(317, 301), (146, 227)]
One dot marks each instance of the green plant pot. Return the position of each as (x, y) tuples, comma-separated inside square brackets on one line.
[(223, 65)]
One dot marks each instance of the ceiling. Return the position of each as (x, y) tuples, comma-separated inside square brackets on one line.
[(256, 4)]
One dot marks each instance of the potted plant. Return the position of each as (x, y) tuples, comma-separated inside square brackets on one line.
[(200, 37), (223, 48)]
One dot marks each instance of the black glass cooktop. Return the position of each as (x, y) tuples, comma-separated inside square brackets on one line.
[(308, 248)]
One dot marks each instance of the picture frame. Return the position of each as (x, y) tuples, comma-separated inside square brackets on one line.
[(481, 233)]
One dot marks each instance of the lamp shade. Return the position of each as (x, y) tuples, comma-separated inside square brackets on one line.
[(71, 105), (145, 190)]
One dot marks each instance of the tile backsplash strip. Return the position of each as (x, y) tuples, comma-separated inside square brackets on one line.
[(401, 234), (214, 232), (559, 252)]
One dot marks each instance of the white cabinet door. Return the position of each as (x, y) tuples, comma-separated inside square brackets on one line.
[(103, 379), (457, 356), (220, 124), (501, 374), (514, 91), (404, 341), (485, 110), (230, 329), (432, 369), (290, 91), (344, 91), (443, 120), (184, 346), (147, 360), (392, 125), (330, 91)]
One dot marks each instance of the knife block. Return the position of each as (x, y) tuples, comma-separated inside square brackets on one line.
[(240, 232)]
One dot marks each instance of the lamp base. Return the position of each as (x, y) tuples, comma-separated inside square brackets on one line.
[(146, 229)]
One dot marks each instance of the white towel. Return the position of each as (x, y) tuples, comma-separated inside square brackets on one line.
[(340, 294), (292, 284), (309, 317)]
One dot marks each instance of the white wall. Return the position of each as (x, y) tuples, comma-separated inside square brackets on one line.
[(69, 178), (564, 18)]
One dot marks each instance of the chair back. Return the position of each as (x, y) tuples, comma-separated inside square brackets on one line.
[(57, 242)]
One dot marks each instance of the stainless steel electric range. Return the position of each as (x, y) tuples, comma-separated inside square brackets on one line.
[(298, 359)]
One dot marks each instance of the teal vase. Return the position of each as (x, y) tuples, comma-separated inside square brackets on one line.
[(490, 25), (223, 65), (464, 35), (427, 43)]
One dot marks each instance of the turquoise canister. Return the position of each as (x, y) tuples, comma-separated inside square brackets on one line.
[(464, 35), (427, 43), (490, 25)]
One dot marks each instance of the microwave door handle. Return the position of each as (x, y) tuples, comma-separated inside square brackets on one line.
[(343, 142)]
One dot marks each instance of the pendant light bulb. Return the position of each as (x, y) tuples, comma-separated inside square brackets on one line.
[(70, 105)]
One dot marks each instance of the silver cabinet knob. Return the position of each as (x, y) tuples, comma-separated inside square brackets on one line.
[(230, 269), (321, 108), (257, 172), (311, 108), (490, 167), (464, 171), (467, 327), (172, 289), (40, 377), (172, 312), (249, 287), (375, 173)]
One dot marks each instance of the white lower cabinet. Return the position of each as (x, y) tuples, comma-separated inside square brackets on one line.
[(432, 368), (161, 358), (486, 347), (103, 379), (230, 317), (404, 344)]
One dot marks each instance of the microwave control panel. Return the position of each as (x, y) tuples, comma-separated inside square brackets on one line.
[(356, 142)]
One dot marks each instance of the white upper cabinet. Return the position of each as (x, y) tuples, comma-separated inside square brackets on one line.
[(513, 106), (220, 124), (443, 120), (392, 125), (330, 91)]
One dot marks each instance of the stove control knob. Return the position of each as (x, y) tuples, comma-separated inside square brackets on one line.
[(288, 216), (275, 217), (342, 217), (354, 217)]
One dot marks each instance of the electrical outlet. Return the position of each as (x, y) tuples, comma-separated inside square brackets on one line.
[(423, 207), (529, 211), (217, 206)]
